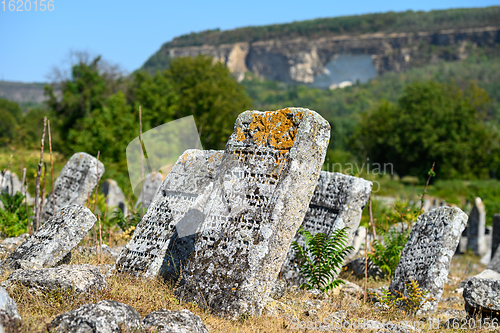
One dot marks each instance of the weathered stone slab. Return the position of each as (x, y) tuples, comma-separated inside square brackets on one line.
[(476, 225), (10, 320), (166, 321), (495, 262), (427, 255), (114, 196), (79, 278), (495, 237), (75, 183), (172, 219), (55, 239), (10, 183), (267, 177), (152, 183), (337, 202), (482, 297), (105, 316), (488, 274)]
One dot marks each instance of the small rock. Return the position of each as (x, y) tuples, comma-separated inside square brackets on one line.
[(166, 321), (381, 306), (351, 289), (482, 296), (316, 294), (278, 290), (10, 320), (91, 250), (80, 278), (357, 268), (486, 274), (105, 316)]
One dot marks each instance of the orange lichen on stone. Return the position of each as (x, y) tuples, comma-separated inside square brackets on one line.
[(275, 128), (240, 136)]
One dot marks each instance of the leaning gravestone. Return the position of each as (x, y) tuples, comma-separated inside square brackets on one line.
[(427, 255), (495, 237), (151, 184), (476, 240), (267, 177), (114, 196), (75, 183), (165, 235), (495, 261), (53, 241), (337, 202)]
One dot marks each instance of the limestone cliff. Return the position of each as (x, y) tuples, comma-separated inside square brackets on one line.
[(303, 60)]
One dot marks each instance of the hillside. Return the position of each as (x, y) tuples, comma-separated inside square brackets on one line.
[(329, 51)]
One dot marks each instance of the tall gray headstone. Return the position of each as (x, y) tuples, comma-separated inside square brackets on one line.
[(75, 183), (53, 241), (114, 196), (10, 183), (495, 236), (337, 202), (165, 235), (495, 262), (427, 255), (476, 240), (267, 177), (152, 183)]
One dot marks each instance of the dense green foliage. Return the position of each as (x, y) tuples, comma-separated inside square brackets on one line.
[(13, 217), (432, 122), (322, 258), (386, 254)]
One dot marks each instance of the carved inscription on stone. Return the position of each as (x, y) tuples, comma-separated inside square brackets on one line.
[(151, 184), (338, 202), (75, 183), (164, 236), (55, 239), (427, 255), (267, 176)]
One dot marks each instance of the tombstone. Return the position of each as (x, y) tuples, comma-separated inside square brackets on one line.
[(338, 202), (495, 234), (495, 262), (53, 241), (270, 168), (152, 183), (358, 240), (10, 183), (475, 236), (172, 218), (75, 183), (114, 196), (427, 255)]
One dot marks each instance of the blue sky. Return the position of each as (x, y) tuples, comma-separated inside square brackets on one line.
[(128, 32)]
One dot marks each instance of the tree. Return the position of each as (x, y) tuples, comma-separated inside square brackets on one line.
[(13, 108), (432, 122), (195, 86)]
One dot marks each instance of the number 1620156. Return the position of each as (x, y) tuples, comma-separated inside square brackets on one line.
[(27, 5)]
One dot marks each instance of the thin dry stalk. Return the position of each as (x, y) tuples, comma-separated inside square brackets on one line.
[(366, 265), (100, 239), (36, 220), (425, 189), (25, 185), (51, 171), (142, 159), (43, 186), (8, 165), (95, 198), (24, 179)]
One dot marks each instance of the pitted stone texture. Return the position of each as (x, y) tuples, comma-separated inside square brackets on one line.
[(165, 321), (482, 297), (75, 183), (165, 236), (476, 240), (337, 202), (10, 183), (10, 320), (53, 242), (486, 274), (103, 317), (267, 177), (114, 196), (79, 278), (427, 255), (152, 183)]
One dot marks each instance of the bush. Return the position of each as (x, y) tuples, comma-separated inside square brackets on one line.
[(13, 218)]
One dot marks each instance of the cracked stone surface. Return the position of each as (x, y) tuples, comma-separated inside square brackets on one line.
[(75, 183), (337, 202), (52, 243), (427, 255), (103, 317), (267, 177), (165, 236), (79, 278), (482, 297), (166, 321)]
